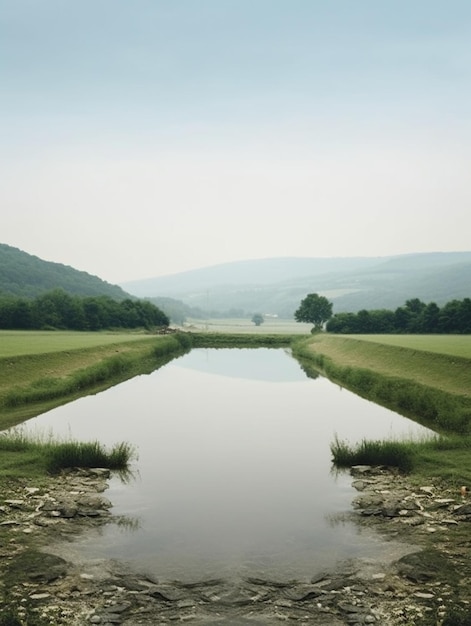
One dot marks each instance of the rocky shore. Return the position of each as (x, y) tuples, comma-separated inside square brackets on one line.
[(432, 574)]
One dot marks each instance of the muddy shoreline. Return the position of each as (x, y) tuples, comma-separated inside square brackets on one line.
[(425, 526)]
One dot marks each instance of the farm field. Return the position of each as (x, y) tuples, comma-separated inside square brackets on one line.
[(439, 361), (22, 342), (456, 345), (238, 325)]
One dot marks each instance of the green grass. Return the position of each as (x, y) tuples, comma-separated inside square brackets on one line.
[(21, 342), (439, 370), (426, 378), (398, 454), (270, 326), (40, 454), (445, 457), (36, 382), (453, 345), (239, 340)]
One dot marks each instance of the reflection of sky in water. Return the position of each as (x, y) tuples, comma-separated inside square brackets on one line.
[(234, 468), (254, 364)]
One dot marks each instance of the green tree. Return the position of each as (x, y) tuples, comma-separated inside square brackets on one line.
[(314, 309), (258, 319)]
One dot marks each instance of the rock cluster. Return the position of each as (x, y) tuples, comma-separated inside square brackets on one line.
[(431, 575)]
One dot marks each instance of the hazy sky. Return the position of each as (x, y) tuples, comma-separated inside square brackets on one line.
[(147, 137)]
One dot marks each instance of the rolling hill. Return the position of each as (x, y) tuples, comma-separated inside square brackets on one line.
[(277, 285)]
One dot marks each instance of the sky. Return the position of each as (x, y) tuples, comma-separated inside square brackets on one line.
[(146, 138)]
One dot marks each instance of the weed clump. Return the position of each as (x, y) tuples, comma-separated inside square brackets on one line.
[(53, 455), (400, 454)]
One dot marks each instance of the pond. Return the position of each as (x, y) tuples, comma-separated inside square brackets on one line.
[(234, 475)]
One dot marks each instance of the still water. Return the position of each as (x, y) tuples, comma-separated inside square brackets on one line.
[(234, 473)]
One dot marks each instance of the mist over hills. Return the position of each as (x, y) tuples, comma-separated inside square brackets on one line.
[(274, 285), (277, 285)]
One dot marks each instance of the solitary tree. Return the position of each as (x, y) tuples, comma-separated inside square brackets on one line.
[(258, 319), (314, 309)]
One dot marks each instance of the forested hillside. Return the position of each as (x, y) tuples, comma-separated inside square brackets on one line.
[(25, 275)]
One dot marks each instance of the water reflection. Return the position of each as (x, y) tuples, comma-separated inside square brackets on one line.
[(234, 470)]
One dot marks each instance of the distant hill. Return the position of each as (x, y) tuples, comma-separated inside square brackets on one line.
[(277, 285), (25, 275)]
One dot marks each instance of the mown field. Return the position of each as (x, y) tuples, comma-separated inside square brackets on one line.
[(270, 326), (20, 342), (439, 361), (455, 345)]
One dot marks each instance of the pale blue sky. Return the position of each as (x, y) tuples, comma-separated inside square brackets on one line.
[(150, 137)]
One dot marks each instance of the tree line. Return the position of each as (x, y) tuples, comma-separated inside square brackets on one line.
[(414, 317), (59, 310)]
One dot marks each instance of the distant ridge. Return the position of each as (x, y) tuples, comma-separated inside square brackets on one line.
[(26, 275), (278, 284), (248, 272)]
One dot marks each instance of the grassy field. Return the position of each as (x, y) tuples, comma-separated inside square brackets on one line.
[(21, 342), (454, 345), (31, 356), (270, 326), (442, 362)]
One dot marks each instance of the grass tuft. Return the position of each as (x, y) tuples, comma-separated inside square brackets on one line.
[(54, 455), (400, 454)]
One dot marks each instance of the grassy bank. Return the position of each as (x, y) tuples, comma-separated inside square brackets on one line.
[(432, 388), (39, 371), (424, 384), (240, 340), (39, 378)]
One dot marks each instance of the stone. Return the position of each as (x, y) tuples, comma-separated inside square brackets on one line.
[(68, 511), (111, 618), (425, 566), (37, 566), (120, 608), (94, 502), (169, 594), (300, 593), (464, 509), (361, 469), (15, 504), (371, 512), (350, 608)]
